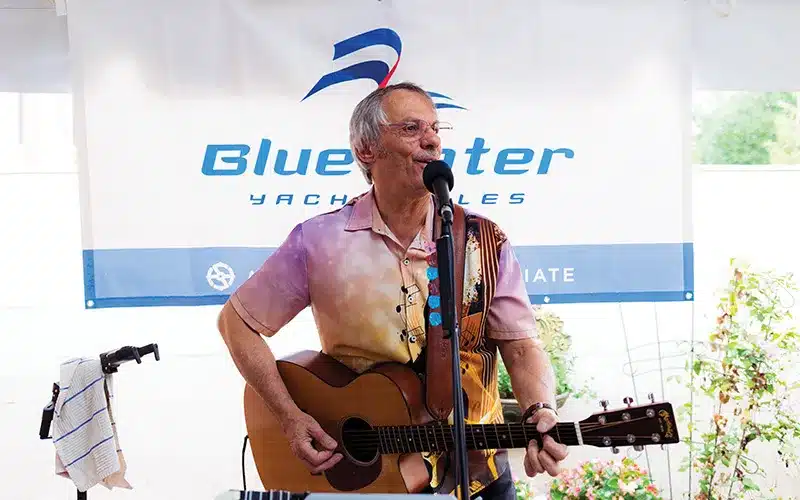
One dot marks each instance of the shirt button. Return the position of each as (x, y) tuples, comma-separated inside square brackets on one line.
[(406, 261)]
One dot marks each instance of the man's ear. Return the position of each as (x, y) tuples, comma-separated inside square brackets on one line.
[(366, 155)]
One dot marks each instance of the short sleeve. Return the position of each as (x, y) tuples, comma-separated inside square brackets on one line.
[(278, 290), (510, 313)]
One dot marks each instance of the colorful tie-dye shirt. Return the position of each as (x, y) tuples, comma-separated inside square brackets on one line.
[(368, 296)]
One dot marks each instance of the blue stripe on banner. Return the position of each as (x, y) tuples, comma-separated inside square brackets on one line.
[(608, 273), (662, 272)]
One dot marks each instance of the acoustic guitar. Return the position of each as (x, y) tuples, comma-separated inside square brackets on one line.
[(382, 427)]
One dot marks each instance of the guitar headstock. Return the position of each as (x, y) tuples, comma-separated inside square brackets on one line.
[(637, 426)]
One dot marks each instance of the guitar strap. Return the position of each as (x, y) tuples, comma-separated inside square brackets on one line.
[(439, 379)]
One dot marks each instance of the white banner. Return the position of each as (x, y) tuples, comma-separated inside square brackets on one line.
[(210, 128)]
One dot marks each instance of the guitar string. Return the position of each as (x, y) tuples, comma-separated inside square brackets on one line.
[(396, 436), (433, 439), (433, 430), (392, 437), (430, 434), (392, 446), (568, 429), (450, 439), (388, 437)]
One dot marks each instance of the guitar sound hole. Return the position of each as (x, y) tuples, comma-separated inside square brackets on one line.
[(360, 440)]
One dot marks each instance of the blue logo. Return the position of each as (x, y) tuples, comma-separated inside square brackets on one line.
[(268, 159), (376, 70)]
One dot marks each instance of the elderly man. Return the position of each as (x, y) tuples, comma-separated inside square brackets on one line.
[(364, 271)]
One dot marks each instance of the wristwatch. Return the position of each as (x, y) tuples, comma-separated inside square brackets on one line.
[(532, 409)]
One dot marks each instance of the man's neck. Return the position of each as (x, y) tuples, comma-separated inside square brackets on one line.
[(405, 214)]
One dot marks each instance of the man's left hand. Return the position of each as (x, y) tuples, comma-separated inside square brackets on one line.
[(547, 459)]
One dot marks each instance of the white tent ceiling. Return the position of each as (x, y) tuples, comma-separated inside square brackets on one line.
[(26, 4), (753, 47)]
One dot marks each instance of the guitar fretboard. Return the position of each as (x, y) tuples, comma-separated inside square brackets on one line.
[(441, 437)]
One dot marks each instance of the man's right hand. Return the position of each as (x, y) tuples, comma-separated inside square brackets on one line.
[(312, 445)]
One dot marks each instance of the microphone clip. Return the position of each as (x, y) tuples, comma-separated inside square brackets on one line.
[(446, 211)]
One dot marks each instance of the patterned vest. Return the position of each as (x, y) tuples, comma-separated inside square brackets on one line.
[(478, 356)]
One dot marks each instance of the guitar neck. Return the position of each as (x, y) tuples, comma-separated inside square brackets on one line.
[(440, 437)]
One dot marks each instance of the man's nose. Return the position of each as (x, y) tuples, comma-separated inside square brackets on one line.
[(430, 139)]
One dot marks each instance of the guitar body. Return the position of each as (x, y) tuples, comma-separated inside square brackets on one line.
[(381, 425), (388, 395)]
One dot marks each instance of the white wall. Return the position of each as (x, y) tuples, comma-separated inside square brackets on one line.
[(753, 47), (180, 419)]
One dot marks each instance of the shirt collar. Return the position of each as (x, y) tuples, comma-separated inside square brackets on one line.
[(361, 216), (365, 215)]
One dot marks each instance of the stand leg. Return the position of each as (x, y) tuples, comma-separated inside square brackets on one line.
[(458, 416), (451, 330)]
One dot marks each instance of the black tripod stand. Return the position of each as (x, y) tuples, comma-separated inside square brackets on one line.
[(109, 361)]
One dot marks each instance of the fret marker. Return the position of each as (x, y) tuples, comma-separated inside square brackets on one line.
[(578, 432)]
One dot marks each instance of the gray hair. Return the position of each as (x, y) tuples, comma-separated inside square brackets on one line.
[(368, 116)]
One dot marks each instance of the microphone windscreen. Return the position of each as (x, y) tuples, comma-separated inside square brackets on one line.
[(437, 169)]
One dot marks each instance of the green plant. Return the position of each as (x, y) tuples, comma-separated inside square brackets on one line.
[(523, 488), (557, 344), (503, 381), (747, 378), (596, 480)]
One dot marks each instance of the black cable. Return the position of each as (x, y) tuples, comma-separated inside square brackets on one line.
[(244, 479)]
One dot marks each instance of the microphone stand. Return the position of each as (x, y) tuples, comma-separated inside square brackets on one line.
[(451, 330)]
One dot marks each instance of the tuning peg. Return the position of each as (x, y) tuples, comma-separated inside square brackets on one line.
[(628, 401), (614, 450), (651, 398), (638, 447), (604, 404)]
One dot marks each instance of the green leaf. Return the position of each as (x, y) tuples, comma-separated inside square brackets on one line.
[(557, 495), (749, 485)]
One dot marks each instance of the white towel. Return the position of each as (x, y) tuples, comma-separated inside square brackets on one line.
[(84, 433)]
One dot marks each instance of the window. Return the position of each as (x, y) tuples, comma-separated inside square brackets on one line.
[(746, 128)]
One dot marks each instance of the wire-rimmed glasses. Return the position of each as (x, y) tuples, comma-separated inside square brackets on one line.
[(414, 129)]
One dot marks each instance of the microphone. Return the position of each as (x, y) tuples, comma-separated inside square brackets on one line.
[(438, 178)]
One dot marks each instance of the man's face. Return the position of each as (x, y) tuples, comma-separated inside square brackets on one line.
[(406, 144)]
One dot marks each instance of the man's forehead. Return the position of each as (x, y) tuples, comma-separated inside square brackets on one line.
[(405, 105)]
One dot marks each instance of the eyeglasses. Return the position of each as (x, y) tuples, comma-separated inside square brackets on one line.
[(414, 129)]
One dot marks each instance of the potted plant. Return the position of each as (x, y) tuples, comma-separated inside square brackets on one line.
[(557, 344), (596, 479)]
